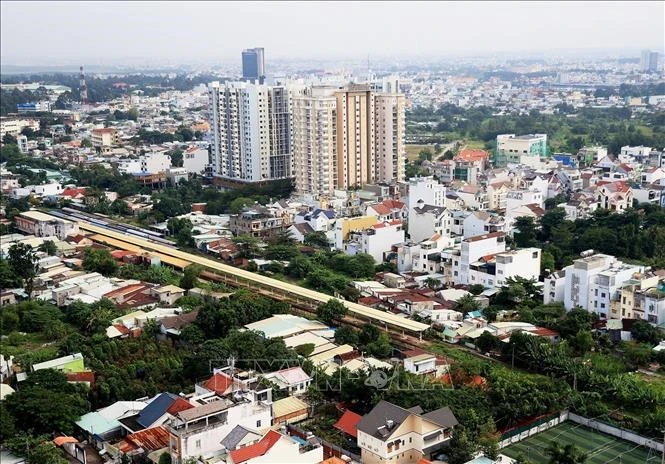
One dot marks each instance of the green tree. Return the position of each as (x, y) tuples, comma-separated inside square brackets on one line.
[(466, 304), (190, 276), (462, 448), (525, 232), (99, 260), (331, 312), (488, 440), (317, 239), (23, 262), (48, 247), (47, 406), (165, 458), (248, 246), (487, 342), (8, 278), (644, 332), (567, 454), (346, 335), (576, 320), (581, 343), (476, 289)]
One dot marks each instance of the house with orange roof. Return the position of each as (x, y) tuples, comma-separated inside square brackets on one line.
[(615, 196), (276, 447)]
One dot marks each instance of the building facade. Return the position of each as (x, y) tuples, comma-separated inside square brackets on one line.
[(347, 137), (253, 65), (251, 132)]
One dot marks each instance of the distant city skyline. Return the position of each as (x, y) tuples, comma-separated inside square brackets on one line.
[(178, 32)]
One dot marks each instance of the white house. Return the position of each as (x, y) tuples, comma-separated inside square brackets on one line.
[(389, 434), (472, 249), (427, 220), (376, 240), (198, 431), (294, 380), (195, 160), (276, 447), (493, 271), (482, 222)]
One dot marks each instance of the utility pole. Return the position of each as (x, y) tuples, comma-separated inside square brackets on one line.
[(513, 360)]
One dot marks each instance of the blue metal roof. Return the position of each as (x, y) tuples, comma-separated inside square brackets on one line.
[(156, 409)]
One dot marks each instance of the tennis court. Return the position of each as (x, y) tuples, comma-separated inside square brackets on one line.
[(599, 447)]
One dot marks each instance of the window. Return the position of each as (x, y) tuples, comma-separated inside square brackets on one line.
[(258, 423), (198, 444)]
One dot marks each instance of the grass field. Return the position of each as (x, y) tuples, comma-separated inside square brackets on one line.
[(599, 448), (412, 150)]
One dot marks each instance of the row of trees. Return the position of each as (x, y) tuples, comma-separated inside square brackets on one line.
[(636, 234), (612, 127)]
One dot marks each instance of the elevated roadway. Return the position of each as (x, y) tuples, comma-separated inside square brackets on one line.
[(277, 286)]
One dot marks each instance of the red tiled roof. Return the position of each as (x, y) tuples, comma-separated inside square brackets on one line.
[(59, 441), (380, 225), (544, 332), (393, 204), (471, 155), (180, 404), (86, 376), (381, 209), (348, 423), (125, 290), (369, 300), (121, 328), (218, 383), (257, 449), (73, 192), (119, 254)]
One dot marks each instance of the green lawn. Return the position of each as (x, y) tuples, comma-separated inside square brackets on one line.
[(599, 447), (412, 150)]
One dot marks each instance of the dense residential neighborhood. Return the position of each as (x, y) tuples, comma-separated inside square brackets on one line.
[(457, 261)]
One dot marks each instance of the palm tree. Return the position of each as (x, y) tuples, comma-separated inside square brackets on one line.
[(568, 454)]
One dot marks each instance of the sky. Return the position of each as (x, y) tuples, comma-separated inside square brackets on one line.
[(109, 32)]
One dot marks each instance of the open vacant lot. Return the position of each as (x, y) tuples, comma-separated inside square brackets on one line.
[(599, 447)]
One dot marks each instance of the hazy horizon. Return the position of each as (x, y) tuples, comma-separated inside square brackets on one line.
[(108, 33)]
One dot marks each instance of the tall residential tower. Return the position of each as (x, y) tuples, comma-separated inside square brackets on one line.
[(251, 130), (347, 137)]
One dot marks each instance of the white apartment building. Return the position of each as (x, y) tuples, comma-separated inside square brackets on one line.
[(639, 152), (493, 272), (517, 198), (390, 127), (520, 149), (14, 126), (150, 163), (591, 282), (427, 220), (474, 248), (482, 222), (376, 240), (105, 137), (199, 431), (195, 160), (251, 131), (43, 190), (425, 191)]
